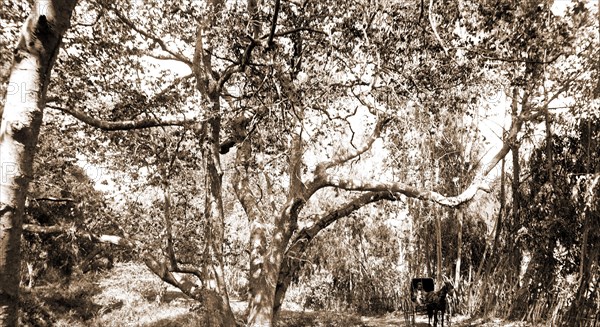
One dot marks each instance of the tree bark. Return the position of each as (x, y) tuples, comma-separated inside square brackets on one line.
[(262, 302), (217, 303), (438, 234), (210, 84), (258, 298), (33, 60), (496, 244), (459, 220)]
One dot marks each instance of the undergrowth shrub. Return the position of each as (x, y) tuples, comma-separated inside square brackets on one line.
[(45, 306)]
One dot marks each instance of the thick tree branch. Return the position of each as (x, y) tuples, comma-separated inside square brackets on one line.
[(124, 124), (130, 124), (479, 182), (273, 24), (301, 240), (304, 236), (52, 199), (295, 30)]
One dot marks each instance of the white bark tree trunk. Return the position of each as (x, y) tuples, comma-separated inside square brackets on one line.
[(33, 60), (459, 218)]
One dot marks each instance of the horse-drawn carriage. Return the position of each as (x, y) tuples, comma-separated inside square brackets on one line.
[(425, 299)]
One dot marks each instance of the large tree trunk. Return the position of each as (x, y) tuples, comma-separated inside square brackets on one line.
[(210, 84), (217, 304), (21, 119), (438, 236), (459, 217), (262, 300)]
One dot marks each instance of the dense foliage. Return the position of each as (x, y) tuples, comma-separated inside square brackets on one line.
[(241, 146)]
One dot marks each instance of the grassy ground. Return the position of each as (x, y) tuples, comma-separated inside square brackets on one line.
[(126, 296), (130, 295)]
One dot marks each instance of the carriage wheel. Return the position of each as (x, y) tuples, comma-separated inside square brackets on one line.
[(409, 312)]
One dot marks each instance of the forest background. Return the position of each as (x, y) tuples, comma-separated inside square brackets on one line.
[(313, 153)]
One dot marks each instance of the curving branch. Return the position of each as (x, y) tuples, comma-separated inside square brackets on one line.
[(162, 268), (401, 188), (53, 199), (293, 31), (124, 124), (480, 181), (130, 124), (292, 261), (433, 27), (304, 236)]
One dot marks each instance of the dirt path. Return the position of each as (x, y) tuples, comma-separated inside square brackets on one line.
[(397, 320)]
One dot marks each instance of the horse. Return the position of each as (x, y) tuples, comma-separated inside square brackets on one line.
[(436, 301)]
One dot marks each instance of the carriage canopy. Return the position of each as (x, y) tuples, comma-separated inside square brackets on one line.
[(423, 284)]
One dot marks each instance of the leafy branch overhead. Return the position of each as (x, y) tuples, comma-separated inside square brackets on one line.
[(277, 121)]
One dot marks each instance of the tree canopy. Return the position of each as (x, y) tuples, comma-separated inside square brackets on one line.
[(214, 119)]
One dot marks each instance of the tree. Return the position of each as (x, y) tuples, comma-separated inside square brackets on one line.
[(34, 57), (262, 84), (561, 205)]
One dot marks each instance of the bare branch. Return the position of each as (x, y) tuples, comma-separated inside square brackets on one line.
[(296, 30), (433, 27), (401, 188), (162, 57), (308, 233), (176, 55), (274, 24), (347, 155), (129, 124), (55, 199), (479, 182)]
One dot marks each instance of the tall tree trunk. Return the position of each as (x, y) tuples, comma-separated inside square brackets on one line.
[(516, 203), (427, 245), (217, 303), (494, 251), (33, 60), (459, 220), (262, 303), (210, 85), (438, 234)]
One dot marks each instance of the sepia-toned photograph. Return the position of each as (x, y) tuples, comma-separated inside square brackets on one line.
[(300, 163)]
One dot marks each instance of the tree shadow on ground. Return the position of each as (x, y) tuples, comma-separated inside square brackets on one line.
[(165, 297), (186, 319), (45, 305), (320, 318)]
